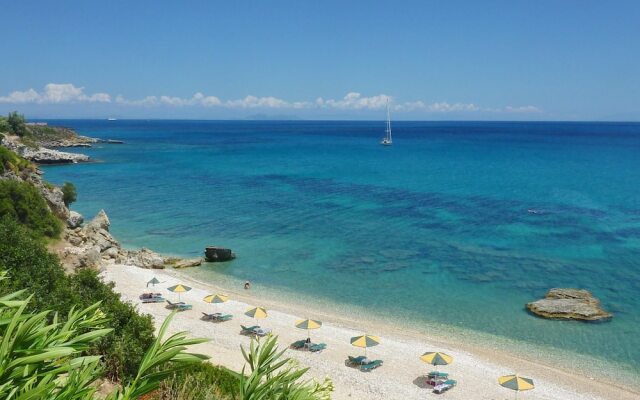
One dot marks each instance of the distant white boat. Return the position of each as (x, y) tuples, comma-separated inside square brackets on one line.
[(111, 119), (387, 141)]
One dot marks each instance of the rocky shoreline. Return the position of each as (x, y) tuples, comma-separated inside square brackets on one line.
[(43, 140)]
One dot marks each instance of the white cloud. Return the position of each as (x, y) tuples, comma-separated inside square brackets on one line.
[(55, 93), (355, 101), (58, 93), (522, 109)]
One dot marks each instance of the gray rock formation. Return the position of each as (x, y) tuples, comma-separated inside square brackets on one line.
[(144, 258), (576, 304), (218, 254), (186, 263), (42, 155), (75, 219)]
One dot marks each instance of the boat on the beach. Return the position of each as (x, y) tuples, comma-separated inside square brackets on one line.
[(387, 141)]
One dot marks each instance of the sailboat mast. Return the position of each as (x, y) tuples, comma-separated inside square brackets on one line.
[(388, 122)]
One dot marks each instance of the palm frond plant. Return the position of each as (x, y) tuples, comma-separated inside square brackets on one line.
[(274, 377), (44, 360)]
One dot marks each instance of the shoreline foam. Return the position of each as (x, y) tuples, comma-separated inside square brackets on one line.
[(476, 367)]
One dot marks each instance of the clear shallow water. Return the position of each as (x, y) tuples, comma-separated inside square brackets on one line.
[(436, 229)]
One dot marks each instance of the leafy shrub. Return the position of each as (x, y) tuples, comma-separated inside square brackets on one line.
[(200, 382), (10, 161), (69, 192), (22, 202), (274, 377), (41, 359), (16, 123), (4, 125), (33, 268)]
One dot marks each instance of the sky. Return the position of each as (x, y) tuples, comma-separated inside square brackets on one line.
[(434, 60)]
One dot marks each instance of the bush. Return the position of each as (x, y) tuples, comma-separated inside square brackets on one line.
[(10, 161), (4, 125), (22, 202), (69, 191), (200, 382), (16, 123), (32, 267)]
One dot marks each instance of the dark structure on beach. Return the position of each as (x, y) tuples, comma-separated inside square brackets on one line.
[(218, 254)]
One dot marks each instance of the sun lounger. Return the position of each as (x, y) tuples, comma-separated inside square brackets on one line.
[(357, 360), (444, 386), (144, 296), (223, 317), (159, 299), (262, 331), (209, 317), (300, 344), (249, 330), (181, 306), (314, 348), (370, 365), (434, 378)]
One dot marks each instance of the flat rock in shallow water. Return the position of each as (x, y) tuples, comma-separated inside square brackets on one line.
[(561, 303)]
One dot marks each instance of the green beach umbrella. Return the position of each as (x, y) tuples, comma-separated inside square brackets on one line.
[(308, 324), (365, 341), (515, 382), (179, 288), (153, 282)]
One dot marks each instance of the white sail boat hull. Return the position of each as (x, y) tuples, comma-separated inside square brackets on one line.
[(387, 141)]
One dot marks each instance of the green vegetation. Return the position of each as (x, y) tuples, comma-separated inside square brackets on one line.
[(16, 123), (22, 202), (273, 377), (200, 382), (69, 191), (10, 161), (42, 357), (32, 267)]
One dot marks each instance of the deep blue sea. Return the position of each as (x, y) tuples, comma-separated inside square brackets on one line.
[(457, 224)]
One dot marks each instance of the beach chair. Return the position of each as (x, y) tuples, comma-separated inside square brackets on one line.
[(315, 348), (209, 317), (144, 296), (300, 344), (370, 365), (223, 317), (262, 331), (434, 378), (357, 360), (173, 305), (444, 386), (248, 330), (155, 299)]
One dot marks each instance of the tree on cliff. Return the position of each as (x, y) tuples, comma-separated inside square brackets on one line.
[(69, 192), (16, 123)]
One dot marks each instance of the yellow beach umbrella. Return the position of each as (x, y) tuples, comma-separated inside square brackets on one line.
[(216, 298), (515, 382), (365, 341), (256, 312), (436, 358), (308, 324), (179, 288)]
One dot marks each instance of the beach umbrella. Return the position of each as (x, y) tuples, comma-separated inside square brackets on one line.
[(365, 341), (436, 358), (216, 298), (179, 288), (515, 382), (256, 312), (308, 324), (153, 282)]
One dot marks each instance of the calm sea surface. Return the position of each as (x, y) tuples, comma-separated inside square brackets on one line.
[(458, 224)]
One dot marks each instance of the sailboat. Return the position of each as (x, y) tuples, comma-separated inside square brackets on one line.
[(387, 138)]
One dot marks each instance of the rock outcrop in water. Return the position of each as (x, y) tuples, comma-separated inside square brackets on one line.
[(562, 303), (218, 254)]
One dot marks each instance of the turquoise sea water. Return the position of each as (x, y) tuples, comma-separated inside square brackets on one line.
[(458, 223)]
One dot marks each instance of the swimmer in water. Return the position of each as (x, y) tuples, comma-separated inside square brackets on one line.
[(247, 285)]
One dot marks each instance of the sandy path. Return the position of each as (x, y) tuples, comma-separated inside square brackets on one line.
[(398, 378)]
